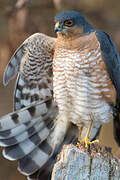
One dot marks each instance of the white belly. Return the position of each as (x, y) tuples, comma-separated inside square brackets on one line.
[(85, 105), (77, 91)]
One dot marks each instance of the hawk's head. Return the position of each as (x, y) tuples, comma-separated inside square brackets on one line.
[(71, 23)]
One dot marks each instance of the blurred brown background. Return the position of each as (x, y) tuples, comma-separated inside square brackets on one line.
[(21, 18)]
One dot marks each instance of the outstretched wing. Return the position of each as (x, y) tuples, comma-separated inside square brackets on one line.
[(27, 134), (112, 61), (24, 133), (33, 63)]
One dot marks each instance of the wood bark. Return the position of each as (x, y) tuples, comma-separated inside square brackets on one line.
[(92, 163)]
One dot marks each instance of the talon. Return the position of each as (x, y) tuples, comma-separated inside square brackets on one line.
[(86, 142)]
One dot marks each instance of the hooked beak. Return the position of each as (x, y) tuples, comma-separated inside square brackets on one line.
[(58, 27)]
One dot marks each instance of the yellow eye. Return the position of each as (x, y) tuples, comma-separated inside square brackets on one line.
[(68, 23)]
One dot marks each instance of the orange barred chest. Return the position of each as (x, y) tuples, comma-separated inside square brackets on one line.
[(82, 85)]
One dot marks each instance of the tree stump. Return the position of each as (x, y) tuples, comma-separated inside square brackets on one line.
[(92, 163)]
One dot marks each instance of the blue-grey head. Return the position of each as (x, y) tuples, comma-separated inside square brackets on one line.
[(71, 23)]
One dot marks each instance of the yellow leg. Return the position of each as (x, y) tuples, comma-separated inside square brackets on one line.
[(86, 138), (80, 132)]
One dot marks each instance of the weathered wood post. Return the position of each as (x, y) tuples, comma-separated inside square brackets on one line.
[(93, 163)]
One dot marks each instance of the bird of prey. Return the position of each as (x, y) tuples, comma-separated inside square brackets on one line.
[(66, 89)]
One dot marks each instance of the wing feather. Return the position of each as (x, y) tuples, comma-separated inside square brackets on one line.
[(13, 66), (27, 114), (19, 130), (35, 160), (112, 61), (111, 58), (24, 133), (33, 63), (20, 150)]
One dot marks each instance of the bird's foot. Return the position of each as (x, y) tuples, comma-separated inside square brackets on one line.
[(87, 142)]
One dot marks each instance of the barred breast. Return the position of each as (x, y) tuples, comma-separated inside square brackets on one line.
[(81, 83)]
